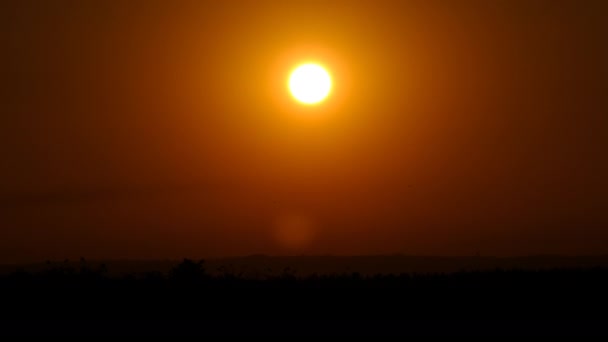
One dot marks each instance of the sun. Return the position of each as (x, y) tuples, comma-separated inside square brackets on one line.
[(310, 83)]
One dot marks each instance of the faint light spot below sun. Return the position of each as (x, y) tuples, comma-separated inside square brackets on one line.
[(294, 232), (310, 83)]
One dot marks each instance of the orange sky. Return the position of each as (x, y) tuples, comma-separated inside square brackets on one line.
[(157, 129)]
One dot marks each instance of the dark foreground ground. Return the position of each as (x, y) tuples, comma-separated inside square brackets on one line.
[(189, 301)]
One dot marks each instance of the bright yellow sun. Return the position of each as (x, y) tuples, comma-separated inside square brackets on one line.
[(310, 83)]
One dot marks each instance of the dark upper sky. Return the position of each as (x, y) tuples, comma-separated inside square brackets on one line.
[(153, 129)]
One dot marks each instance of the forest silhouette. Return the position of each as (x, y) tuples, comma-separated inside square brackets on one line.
[(559, 300)]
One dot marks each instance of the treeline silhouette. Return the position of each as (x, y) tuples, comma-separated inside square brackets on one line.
[(189, 292)]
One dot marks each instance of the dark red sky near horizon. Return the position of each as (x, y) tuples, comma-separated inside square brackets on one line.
[(163, 129)]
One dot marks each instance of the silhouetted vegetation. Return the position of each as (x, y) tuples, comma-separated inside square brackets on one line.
[(188, 292)]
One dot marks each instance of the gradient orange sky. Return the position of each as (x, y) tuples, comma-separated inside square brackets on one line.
[(164, 129)]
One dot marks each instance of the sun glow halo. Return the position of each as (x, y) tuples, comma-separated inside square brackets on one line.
[(310, 83)]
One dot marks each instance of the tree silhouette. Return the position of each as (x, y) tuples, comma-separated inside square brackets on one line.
[(189, 272)]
